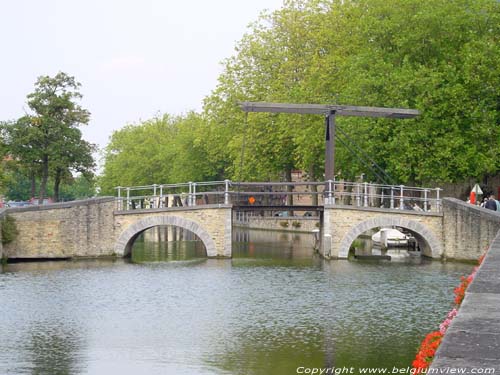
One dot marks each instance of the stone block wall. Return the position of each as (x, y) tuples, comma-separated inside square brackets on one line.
[(468, 230), (343, 224), (211, 223), (63, 230), (305, 224)]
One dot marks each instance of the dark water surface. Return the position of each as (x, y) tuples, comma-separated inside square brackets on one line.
[(270, 309)]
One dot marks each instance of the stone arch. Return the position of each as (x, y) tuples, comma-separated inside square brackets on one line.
[(124, 243), (433, 248)]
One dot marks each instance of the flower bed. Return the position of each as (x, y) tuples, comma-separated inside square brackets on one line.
[(431, 342)]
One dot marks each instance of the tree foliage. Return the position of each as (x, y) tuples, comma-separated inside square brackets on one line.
[(439, 56), (167, 149), (47, 141)]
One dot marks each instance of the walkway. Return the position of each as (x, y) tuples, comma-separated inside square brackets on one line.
[(473, 340)]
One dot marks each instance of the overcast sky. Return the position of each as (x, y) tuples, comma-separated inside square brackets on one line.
[(134, 58)]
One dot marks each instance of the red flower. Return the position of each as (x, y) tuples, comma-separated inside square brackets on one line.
[(431, 342)]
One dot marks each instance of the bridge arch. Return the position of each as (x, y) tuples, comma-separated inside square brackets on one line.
[(423, 234), (126, 239)]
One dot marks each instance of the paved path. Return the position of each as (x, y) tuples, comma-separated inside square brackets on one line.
[(473, 339)]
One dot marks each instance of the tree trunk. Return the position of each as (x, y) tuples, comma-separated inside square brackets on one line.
[(57, 182), (45, 176)]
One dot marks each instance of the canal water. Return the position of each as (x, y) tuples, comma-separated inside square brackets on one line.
[(273, 308)]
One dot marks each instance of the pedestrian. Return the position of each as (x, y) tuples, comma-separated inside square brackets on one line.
[(483, 202), (491, 203)]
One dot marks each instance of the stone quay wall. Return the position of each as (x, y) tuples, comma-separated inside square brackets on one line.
[(468, 230), (63, 230), (472, 342), (286, 223)]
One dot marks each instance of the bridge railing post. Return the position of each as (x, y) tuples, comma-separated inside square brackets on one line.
[(160, 203), (358, 194), (365, 198), (333, 193), (329, 192), (120, 203), (392, 197), (438, 200), (226, 191), (128, 198), (190, 194), (401, 197), (425, 200), (193, 195), (154, 197)]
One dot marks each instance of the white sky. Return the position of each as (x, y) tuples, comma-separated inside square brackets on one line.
[(134, 58)]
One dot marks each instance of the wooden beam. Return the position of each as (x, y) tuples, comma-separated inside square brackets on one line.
[(321, 109)]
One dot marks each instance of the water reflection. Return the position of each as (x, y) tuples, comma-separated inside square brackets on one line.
[(270, 309), (58, 348), (364, 248), (167, 243)]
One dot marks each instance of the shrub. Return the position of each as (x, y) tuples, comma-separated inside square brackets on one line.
[(9, 229)]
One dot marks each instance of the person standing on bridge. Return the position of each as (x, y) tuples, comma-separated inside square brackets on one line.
[(491, 204)]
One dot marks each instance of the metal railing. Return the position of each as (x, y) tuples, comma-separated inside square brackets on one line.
[(279, 194)]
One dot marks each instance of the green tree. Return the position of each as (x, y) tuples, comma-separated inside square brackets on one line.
[(165, 149), (47, 140)]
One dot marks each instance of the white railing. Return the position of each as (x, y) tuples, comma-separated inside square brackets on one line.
[(278, 194)]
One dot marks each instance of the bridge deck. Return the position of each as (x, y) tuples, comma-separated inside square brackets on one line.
[(277, 208)]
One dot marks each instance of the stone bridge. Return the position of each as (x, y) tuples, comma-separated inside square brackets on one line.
[(94, 227)]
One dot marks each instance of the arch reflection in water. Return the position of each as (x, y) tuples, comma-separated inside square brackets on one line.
[(374, 245), (167, 243)]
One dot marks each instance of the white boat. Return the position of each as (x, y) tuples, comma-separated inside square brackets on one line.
[(389, 237)]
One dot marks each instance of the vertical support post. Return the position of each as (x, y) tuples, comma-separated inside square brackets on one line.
[(329, 192), (120, 203), (154, 197), (392, 197), (365, 188), (190, 197), (438, 200), (358, 194), (401, 197), (330, 146), (333, 192), (128, 198), (193, 203), (161, 197), (226, 191), (425, 200)]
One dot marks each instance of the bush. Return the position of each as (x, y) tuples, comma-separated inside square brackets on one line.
[(9, 229)]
